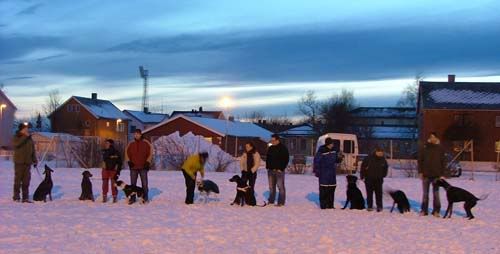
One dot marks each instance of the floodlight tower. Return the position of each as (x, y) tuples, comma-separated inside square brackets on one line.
[(145, 100)]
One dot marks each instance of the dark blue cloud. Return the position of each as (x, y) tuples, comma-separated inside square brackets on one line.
[(30, 10)]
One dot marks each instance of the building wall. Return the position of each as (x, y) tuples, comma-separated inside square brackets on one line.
[(183, 127), (439, 120), (6, 124)]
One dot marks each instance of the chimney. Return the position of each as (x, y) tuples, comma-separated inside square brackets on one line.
[(201, 109), (146, 110), (264, 121), (451, 78), (94, 96), (231, 118), (259, 121)]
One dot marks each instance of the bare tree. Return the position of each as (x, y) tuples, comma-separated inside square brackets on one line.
[(336, 111), (309, 106), (410, 93), (52, 103), (255, 116)]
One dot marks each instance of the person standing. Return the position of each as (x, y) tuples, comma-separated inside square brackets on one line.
[(324, 167), (112, 165), (276, 162), (249, 164), (139, 155), (193, 164), (373, 170), (24, 158), (431, 167)]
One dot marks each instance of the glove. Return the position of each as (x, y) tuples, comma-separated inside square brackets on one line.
[(130, 165), (35, 164), (147, 165)]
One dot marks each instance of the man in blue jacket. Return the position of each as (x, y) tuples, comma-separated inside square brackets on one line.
[(325, 166)]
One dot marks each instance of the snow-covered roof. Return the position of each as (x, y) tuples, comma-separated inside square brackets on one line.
[(234, 128), (392, 132), (206, 114), (146, 118), (385, 112), (101, 108), (460, 95), (299, 130), (5, 98)]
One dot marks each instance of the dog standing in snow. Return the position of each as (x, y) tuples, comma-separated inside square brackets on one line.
[(131, 192), (354, 195), (455, 194), (206, 187)]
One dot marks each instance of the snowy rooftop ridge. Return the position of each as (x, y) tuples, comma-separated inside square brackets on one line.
[(460, 95), (101, 108), (146, 117), (464, 96), (385, 112)]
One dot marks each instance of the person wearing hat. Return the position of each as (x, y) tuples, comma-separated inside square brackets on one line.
[(373, 170), (24, 158), (193, 164), (112, 165), (139, 155), (325, 167)]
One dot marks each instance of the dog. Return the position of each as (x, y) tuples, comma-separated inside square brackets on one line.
[(400, 199), (455, 194), (45, 187), (206, 187), (87, 193), (131, 192), (244, 193), (354, 195)]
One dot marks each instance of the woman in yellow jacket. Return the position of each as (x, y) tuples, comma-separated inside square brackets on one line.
[(191, 166)]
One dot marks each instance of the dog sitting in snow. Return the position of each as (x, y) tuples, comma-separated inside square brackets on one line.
[(45, 187), (131, 192), (87, 193), (206, 187), (244, 193), (354, 195), (455, 194)]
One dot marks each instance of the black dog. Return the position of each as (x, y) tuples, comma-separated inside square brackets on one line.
[(131, 191), (354, 195), (455, 194), (87, 193), (45, 187), (244, 193), (400, 199), (206, 187)]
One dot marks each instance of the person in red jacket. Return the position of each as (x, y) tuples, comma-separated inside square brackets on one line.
[(139, 155)]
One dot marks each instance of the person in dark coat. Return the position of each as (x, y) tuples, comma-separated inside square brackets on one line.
[(139, 156), (112, 165), (325, 166), (276, 162), (373, 170), (24, 158), (431, 167)]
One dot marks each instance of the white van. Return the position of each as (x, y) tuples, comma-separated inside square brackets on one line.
[(347, 144)]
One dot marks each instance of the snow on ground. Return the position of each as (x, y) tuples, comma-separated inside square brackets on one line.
[(166, 225)]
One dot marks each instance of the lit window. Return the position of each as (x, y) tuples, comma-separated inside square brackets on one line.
[(107, 124)]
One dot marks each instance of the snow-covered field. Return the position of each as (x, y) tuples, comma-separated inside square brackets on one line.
[(166, 225)]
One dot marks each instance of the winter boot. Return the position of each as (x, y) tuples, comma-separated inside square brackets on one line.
[(104, 199), (115, 199)]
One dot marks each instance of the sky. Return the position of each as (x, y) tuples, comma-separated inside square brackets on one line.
[(263, 54)]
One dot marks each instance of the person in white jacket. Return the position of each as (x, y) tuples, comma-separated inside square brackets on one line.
[(249, 163)]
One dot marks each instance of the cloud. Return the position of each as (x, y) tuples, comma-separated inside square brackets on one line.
[(30, 10)]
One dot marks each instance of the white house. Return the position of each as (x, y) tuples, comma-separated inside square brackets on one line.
[(143, 120)]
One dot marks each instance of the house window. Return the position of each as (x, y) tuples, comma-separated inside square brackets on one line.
[(208, 139), (107, 124), (462, 119), (73, 108), (132, 128), (120, 127), (86, 123), (497, 122)]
